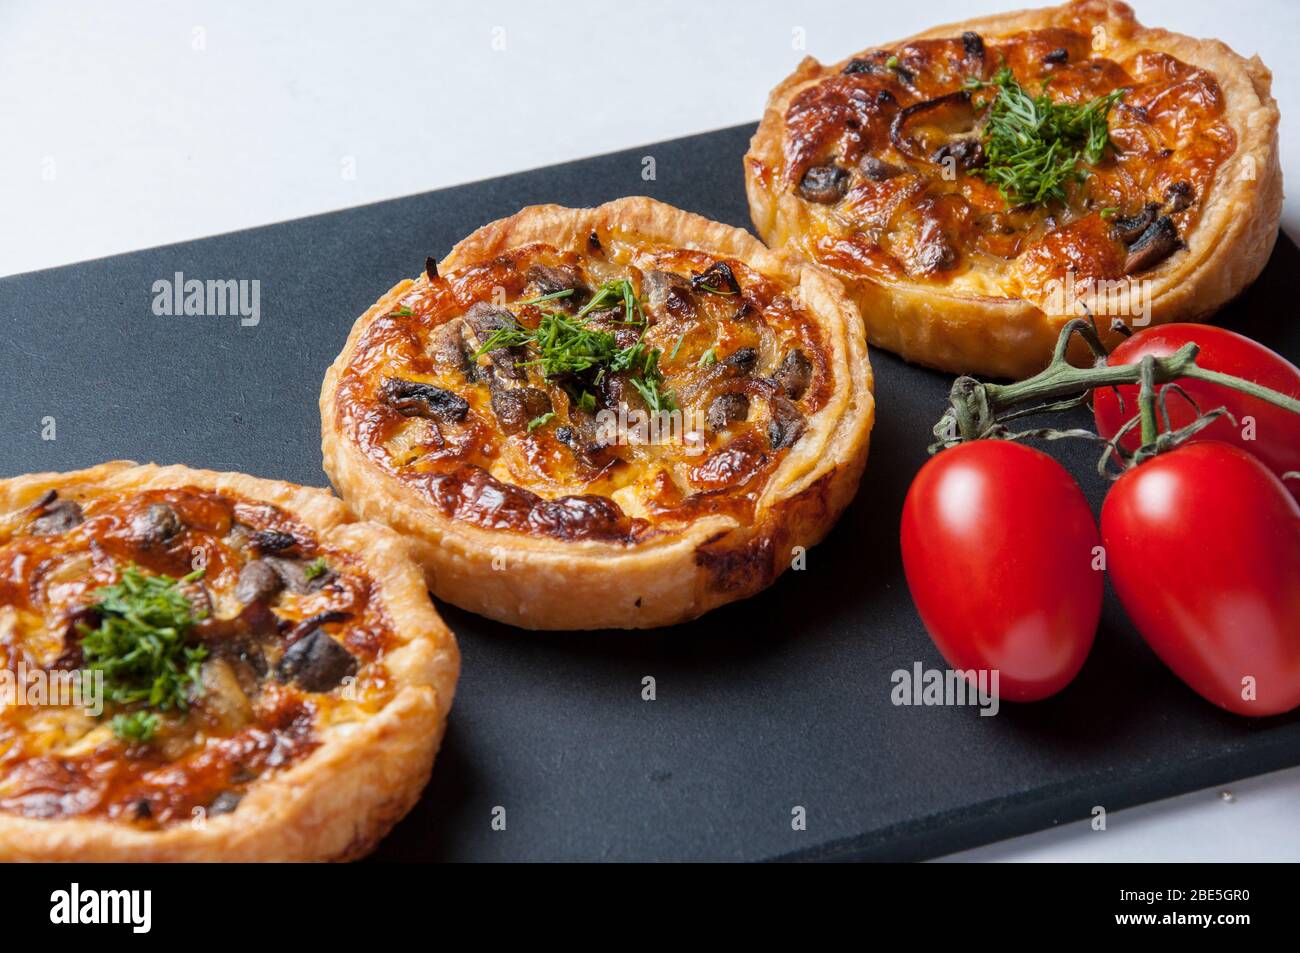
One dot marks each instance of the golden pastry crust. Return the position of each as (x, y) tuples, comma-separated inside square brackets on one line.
[(998, 326), (363, 770), (661, 567)]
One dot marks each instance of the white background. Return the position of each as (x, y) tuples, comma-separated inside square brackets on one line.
[(127, 125)]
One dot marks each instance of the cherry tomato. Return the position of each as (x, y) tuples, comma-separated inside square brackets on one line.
[(998, 547), (1203, 548), (1270, 433)]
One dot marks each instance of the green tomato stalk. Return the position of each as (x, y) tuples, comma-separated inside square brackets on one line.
[(980, 410)]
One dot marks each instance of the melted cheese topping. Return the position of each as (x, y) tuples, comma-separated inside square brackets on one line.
[(885, 205), (256, 711), (489, 436)]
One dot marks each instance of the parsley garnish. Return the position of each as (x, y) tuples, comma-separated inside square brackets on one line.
[(140, 644), (708, 357), (540, 421), (315, 569), (1035, 146), (137, 727)]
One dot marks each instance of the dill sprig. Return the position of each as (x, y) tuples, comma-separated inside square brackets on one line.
[(1035, 146), (140, 643), (569, 345)]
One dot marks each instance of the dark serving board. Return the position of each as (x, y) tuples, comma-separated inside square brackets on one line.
[(777, 702)]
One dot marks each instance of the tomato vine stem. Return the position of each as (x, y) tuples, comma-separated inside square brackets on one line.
[(980, 410)]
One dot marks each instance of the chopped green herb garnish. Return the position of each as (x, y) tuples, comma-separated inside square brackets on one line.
[(657, 399), (540, 421), (569, 345), (891, 63), (1109, 212), (610, 293), (548, 297), (564, 345), (316, 569), (401, 312), (1034, 146), (676, 347), (140, 643), (137, 727), (708, 357)]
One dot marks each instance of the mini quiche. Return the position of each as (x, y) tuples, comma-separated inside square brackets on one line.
[(261, 676), (979, 184), (615, 417)]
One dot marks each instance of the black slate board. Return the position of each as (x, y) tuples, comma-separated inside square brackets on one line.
[(781, 701)]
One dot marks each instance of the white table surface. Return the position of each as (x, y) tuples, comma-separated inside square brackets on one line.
[(127, 125)]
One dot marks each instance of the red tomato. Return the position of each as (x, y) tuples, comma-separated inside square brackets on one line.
[(1203, 548), (998, 548), (1276, 432)]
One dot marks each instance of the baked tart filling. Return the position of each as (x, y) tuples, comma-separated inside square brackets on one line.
[(613, 377), (609, 394), (997, 164), (1009, 171), (173, 642)]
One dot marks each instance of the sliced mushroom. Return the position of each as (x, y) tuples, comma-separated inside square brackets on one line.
[(430, 268), (726, 409), (1130, 228), (57, 516), (825, 184), (877, 170), (293, 573), (586, 440), (316, 662), (858, 65), (966, 154), (224, 803), (1178, 196), (1057, 56), (972, 45), (450, 351), (718, 278), (516, 407), (157, 525), (1157, 243), (485, 320), (273, 541), (548, 280), (741, 361), (921, 128), (666, 291), (258, 582), (794, 374), (414, 399), (786, 425)]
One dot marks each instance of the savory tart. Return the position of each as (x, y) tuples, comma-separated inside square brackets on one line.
[(611, 417), (261, 676), (978, 184)]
